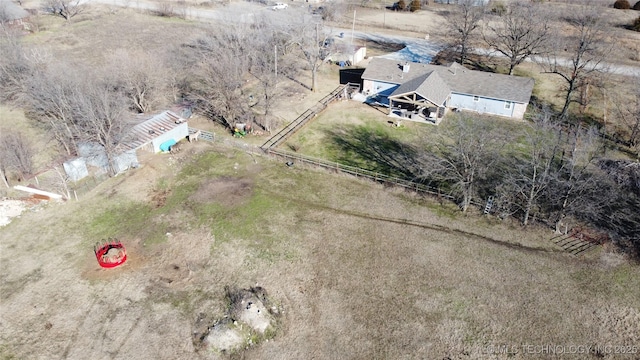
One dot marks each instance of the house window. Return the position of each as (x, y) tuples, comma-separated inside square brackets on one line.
[(476, 99), (507, 105)]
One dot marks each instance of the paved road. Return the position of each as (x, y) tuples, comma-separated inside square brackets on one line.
[(416, 49)]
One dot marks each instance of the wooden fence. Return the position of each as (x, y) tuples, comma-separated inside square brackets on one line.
[(579, 240), (293, 158), (342, 91)]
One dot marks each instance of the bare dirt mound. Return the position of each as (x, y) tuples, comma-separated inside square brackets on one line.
[(251, 318), (226, 191), (225, 337)]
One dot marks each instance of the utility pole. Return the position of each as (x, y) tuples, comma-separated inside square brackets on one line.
[(353, 27)]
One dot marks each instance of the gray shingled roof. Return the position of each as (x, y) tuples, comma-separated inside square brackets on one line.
[(12, 11), (457, 78), (430, 86)]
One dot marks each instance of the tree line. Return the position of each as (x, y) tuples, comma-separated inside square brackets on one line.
[(540, 171), (555, 170), (231, 74)]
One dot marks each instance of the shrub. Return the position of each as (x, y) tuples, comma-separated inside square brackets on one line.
[(637, 6), (415, 5), (636, 25), (401, 5), (499, 8), (622, 4)]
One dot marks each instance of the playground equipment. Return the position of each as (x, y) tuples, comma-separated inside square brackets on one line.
[(110, 253)]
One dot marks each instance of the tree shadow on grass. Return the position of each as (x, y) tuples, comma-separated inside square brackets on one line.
[(373, 150)]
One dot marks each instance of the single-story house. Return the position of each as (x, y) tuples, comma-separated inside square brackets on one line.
[(155, 132), (424, 92)]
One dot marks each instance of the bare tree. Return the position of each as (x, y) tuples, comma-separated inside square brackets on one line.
[(14, 66), (140, 76), (219, 76), (467, 151), (310, 38), (65, 8), (522, 31), (532, 169), (52, 98), (627, 113), (16, 153), (575, 186), (103, 119), (264, 66), (578, 55), (462, 24)]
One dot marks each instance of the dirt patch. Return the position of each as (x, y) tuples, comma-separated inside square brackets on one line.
[(159, 197), (10, 209), (225, 191), (137, 259)]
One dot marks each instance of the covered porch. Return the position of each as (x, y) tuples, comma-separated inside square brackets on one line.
[(415, 107)]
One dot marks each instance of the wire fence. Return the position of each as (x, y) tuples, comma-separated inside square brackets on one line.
[(87, 184)]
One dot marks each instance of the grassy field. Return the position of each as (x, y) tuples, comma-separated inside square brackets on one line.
[(360, 271), (357, 134)]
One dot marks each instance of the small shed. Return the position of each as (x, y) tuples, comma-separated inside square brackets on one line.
[(350, 54), (156, 130), (94, 155), (13, 14), (76, 169)]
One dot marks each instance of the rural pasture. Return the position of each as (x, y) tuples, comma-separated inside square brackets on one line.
[(341, 268), (356, 270)]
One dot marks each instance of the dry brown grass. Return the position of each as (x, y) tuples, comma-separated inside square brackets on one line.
[(361, 271), (354, 280)]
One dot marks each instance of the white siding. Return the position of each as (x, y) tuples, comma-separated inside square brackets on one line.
[(372, 87), (519, 110), (178, 133)]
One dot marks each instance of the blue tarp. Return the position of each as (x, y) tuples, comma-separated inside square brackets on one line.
[(165, 146)]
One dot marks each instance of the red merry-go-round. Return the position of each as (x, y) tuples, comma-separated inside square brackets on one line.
[(110, 253)]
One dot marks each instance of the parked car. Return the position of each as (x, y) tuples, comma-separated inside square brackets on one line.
[(280, 6)]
